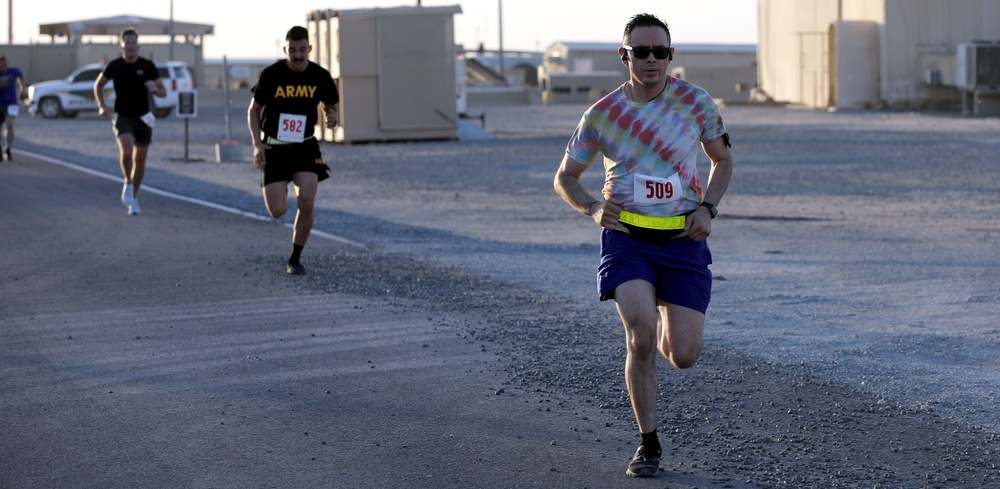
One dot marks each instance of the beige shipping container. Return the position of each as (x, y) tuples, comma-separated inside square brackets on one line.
[(395, 68)]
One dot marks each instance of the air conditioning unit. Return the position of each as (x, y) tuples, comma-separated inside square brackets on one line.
[(977, 65)]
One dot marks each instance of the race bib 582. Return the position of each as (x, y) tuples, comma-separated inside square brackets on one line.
[(291, 128)]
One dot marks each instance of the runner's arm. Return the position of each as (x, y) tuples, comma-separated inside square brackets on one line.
[(568, 186), (699, 223), (157, 89), (253, 122), (722, 170), (99, 94), (332, 117)]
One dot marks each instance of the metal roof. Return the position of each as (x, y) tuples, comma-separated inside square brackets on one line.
[(379, 11), (112, 26), (688, 48)]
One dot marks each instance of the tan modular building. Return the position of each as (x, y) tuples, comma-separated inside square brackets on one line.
[(874, 53), (583, 57), (579, 72), (242, 72), (395, 68)]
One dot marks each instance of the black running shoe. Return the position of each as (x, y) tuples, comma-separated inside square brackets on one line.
[(295, 269), (644, 464), (8, 154)]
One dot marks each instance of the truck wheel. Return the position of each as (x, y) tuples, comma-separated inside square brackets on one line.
[(49, 107)]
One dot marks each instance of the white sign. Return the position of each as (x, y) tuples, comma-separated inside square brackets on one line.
[(187, 104)]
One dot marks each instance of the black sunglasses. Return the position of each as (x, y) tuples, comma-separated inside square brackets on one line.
[(642, 52)]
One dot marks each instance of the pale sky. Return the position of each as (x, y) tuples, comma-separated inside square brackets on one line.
[(256, 28)]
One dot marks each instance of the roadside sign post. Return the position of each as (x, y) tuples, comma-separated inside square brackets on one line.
[(187, 107), (228, 150)]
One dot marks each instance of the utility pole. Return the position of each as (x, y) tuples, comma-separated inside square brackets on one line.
[(10, 21), (500, 52), (171, 58)]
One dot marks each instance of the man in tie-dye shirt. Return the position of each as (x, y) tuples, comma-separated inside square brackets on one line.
[(655, 213)]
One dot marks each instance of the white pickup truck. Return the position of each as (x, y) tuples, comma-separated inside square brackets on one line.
[(75, 94)]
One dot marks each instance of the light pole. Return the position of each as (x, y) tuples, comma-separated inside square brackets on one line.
[(500, 52), (171, 58)]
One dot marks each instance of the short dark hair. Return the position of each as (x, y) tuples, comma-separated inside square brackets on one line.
[(645, 20), (130, 31), (297, 33)]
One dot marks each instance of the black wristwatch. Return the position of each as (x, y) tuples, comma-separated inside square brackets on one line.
[(711, 209)]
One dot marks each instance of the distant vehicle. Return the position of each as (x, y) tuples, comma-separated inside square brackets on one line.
[(75, 93)]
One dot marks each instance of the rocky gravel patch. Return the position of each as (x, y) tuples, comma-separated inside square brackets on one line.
[(776, 425)]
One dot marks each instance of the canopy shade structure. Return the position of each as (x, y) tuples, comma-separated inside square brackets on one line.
[(112, 26)]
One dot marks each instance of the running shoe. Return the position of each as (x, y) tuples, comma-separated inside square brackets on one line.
[(295, 269), (127, 195), (133, 208), (644, 464), (8, 154)]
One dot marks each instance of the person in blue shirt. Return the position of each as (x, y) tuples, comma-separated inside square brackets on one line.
[(11, 90)]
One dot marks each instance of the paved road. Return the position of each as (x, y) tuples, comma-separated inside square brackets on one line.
[(169, 350)]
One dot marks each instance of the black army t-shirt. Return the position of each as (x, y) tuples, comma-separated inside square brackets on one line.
[(290, 98)]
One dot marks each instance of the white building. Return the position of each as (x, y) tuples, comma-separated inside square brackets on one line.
[(874, 53), (577, 72)]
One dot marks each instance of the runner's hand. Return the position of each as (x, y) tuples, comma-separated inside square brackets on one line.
[(606, 213), (258, 155), (698, 224), (331, 117)]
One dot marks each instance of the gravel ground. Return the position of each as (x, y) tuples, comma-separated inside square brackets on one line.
[(852, 337)]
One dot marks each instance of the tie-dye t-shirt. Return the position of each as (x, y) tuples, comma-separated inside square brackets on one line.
[(650, 149)]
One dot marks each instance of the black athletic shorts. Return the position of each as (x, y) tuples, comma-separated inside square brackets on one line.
[(285, 160), (142, 134)]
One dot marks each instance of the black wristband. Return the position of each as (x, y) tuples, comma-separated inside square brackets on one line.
[(712, 211)]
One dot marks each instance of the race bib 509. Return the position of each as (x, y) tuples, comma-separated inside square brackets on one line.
[(657, 190)]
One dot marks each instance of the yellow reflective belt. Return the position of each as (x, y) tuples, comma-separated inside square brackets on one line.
[(652, 222)]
